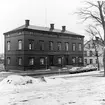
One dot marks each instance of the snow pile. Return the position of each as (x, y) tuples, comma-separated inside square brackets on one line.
[(17, 82)]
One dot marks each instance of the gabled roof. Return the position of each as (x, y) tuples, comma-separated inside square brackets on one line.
[(39, 28), (99, 42)]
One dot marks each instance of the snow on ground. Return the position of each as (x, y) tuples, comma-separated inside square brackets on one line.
[(73, 89)]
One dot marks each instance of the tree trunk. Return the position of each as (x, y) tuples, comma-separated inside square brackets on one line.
[(98, 62), (104, 51)]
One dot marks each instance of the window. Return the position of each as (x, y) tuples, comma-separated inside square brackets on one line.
[(41, 44), (80, 47), (59, 46), (31, 61), (20, 44), (8, 45), (66, 46), (50, 45), (59, 60), (20, 61), (85, 53), (42, 61), (8, 60), (31, 44), (91, 53), (85, 61), (80, 59), (96, 61), (89, 45), (91, 61), (73, 59), (73, 46)]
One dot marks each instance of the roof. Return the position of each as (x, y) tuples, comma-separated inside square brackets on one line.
[(47, 29), (99, 42)]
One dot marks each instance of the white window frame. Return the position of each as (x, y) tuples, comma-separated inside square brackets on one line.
[(73, 60), (8, 45), (80, 59), (59, 46), (30, 46), (59, 60), (74, 47), (20, 61), (66, 46), (42, 61), (20, 44), (80, 47), (31, 61), (51, 45), (8, 60)]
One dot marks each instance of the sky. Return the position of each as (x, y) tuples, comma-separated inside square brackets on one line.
[(13, 14)]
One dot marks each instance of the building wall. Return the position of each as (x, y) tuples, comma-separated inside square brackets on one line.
[(93, 57), (36, 53)]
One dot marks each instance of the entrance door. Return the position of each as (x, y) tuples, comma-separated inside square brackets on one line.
[(51, 60), (66, 59)]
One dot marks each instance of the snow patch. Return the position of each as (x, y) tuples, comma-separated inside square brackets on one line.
[(17, 82)]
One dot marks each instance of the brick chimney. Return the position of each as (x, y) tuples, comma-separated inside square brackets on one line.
[(27, 23), (51, 26), (63, 28)]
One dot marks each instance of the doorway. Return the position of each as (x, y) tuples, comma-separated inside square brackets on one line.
[(51, 57)]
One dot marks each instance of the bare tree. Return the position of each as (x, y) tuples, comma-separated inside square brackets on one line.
[(94, 11)]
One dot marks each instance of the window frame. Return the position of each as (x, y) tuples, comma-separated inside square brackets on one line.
[(31, 63), (85, 61), (66, 46), (73, 46), (79, 47), (91, 61), (20, 44), (19, 61), (90, 53), (60, 60), (41, 45), (8, 60), (59, 46), (73, 61), (51, 45), (42, 58), (79, 59), (31, 44), (8, 45)]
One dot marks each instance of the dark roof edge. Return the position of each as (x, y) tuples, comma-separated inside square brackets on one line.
[(43, 31)]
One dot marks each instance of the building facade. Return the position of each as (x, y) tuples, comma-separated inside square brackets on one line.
[(34, 47), (90, 52)]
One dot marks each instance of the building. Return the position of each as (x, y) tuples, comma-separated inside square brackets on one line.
[(34, 47), (90, 52), (1, 58)]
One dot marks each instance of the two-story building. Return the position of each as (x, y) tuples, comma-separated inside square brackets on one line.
[(34, 47), (91, 48)]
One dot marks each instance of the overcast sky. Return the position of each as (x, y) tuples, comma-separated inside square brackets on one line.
[(13, 14)]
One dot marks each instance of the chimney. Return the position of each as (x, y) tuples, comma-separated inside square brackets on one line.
[(27, 23), (51, 26), (63, 28)]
